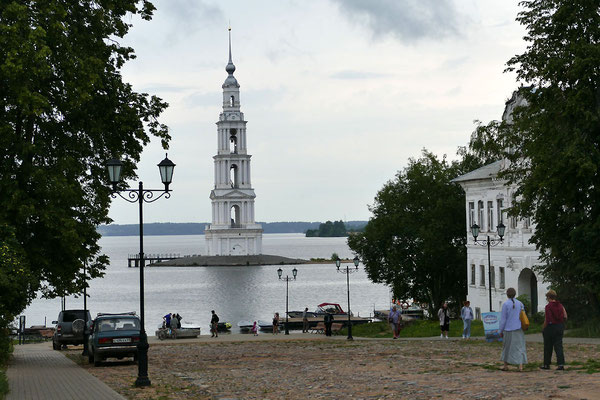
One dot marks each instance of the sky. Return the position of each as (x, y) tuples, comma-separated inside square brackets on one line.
[(338, 95)]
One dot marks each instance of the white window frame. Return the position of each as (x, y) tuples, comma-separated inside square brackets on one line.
[(490, 216), (482, 275)]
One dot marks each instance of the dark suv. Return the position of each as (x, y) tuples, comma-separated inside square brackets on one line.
[(114, 335), (69, 328)]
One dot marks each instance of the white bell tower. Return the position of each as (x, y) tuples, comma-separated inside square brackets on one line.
[(233, 230)]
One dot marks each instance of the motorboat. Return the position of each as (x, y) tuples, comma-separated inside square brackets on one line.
[(322, 309), (187, 330), (222, 326), (245, 325)]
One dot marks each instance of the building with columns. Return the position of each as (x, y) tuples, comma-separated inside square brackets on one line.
[(512, 261), (233, 230)]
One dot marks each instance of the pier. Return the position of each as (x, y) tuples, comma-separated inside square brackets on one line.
[(150, 259)]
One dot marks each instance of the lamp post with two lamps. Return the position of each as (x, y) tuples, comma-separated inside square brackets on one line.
[(287, 280), (141, 196), (488, 242), (348, 271)]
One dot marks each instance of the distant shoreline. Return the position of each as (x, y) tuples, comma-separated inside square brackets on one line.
[(197, 228)]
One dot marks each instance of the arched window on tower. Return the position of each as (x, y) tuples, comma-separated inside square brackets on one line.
[(233, 176), (234, 215), (233, 141), (231, 101)]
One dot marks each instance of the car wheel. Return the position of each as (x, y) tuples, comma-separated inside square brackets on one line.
[(97, 360), (135, 358), (55, 346), (90, 357)]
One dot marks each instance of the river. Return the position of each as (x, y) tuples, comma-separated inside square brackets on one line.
[(235, 293)]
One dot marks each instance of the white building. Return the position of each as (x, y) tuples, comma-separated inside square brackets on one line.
[(512, 261), (233, 230)]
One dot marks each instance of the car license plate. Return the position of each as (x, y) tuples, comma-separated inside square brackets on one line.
[(122, 340)]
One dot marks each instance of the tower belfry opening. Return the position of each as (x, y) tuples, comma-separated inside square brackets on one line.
[(233, 230)]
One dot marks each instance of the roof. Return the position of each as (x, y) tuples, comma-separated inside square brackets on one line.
[(485, 172)]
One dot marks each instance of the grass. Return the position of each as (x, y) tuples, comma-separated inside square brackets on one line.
[(589, 329), (590, 366), (422, 328)]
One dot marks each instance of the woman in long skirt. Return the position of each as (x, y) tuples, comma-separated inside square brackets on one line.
[(513, 347)]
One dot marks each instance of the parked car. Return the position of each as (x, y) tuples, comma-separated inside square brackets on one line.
[(114, 336), (69, 328)]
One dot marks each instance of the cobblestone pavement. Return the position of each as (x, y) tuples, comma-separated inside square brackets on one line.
[(38, 372), (337, 369)]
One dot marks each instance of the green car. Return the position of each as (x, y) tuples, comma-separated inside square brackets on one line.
[(114, 336)]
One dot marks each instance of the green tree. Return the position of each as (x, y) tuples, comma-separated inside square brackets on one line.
[(554, 143), (65, 110), (415, 240)]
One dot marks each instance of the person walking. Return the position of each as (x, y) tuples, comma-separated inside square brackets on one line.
[(552, 330), (513, 344), (466, 313), (328, 320), (444, 317), (276, 324), (305, 320), (394, 320), (255, 329), (214, 324)]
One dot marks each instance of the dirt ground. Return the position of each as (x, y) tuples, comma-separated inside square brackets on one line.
[(363, 369)]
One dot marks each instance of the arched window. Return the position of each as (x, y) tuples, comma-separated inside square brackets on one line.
[(234, 215), (231, 101), (233, 141), (233, 176)]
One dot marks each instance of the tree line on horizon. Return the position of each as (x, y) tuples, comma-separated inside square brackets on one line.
[(197, 228)]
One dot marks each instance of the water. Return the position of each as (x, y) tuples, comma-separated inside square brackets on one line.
[(235, 293)]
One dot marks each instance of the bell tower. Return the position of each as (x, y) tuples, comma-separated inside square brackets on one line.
[(233, 230)]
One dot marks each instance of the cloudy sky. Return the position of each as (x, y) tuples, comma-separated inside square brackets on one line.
[(338, 94)]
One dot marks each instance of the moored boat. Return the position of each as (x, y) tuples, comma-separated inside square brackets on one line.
[(322, 309)]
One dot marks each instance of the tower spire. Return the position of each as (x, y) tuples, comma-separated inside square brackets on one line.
[(230, 68)]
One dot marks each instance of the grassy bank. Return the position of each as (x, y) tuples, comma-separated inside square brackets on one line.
[(424, 328), (589, 329)]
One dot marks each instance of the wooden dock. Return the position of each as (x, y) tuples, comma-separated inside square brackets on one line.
[(150, 259)]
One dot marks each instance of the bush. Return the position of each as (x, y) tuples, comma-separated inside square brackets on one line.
[(334, 256), (538, 317), (526, 302)]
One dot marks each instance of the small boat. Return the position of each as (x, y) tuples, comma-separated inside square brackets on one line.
[(265, 324), (187, 330), (222, 326), (322, 309), (245, 325)]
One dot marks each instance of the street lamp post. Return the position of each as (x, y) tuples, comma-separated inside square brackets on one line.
[(348, 271), (85, 320), (287, 280), (488, 242), (141, 195)]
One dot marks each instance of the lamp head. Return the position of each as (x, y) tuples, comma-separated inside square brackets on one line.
[(356, 262), (166, 168), (501, 228), (114, 167), (475, 231), (294, 272), (279, 272), (337, 263)]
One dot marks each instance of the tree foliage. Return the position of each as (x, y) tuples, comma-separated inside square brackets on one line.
[(415, 240), (17, 283), (554, 142), (329, 229), (65, 110)]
